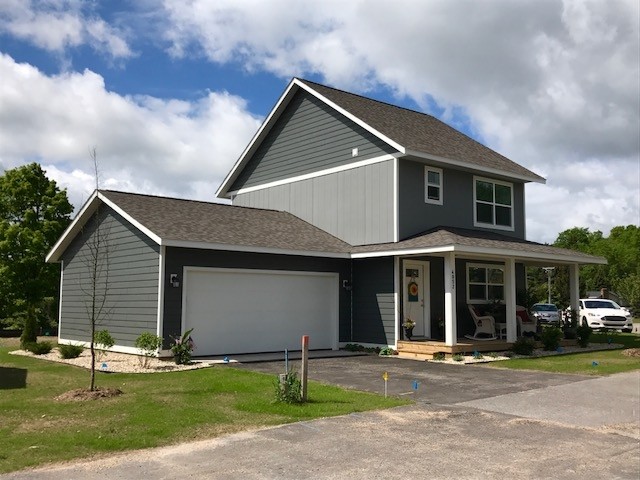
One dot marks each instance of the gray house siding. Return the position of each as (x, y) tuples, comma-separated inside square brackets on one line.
[(373, 301), (132, 300), (355, 205), (309, 136), (416, 216), (177, 258)]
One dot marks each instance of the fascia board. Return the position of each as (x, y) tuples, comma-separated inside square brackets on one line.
[(72, 230), (130, 219), (81, 219), (283, 101), (351, 117), (251, 249), (475, 167), (487, 252)]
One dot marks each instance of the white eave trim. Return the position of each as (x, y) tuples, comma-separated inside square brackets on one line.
[(283, 101), (475, 167), (83, 216), (350, 116), (320, 173), (485, 252)]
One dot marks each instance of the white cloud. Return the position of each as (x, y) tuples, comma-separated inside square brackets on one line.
[(144, 144), (554, 85), (56, 25)]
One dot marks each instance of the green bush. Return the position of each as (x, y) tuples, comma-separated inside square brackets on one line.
[(29, 332), (438, 356), (550, 338), (38, 348), (148, 343), (458, 357), (288, 388), (584, 334), (387, 352), (523, 346), (70, 351)]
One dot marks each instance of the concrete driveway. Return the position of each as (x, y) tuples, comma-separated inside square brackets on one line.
[(469, 422)]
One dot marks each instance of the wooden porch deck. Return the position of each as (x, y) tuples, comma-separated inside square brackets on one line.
[(424, 349)]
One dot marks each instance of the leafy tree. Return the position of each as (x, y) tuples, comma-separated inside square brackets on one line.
[(33, 214)]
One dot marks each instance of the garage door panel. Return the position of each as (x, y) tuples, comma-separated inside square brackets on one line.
[(243, 311)]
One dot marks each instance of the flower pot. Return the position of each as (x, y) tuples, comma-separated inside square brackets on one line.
[(408, 332)]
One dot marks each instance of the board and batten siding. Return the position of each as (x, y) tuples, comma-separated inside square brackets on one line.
[(355, 205), (132, 299), (373, 301), (308, 137)]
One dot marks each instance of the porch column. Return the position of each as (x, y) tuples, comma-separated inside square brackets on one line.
[(450, 328), (510, 299), (574, 285)]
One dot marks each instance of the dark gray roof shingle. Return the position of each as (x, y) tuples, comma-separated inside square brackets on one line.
[(204, 222), (421, 132), (447, 236)]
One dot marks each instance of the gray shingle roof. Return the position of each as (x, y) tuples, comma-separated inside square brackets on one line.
[(448, 236), (189, 221), (421, 132), (214, 223)]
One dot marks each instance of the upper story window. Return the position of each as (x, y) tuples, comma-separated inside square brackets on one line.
[(433, 185), (493, 204)]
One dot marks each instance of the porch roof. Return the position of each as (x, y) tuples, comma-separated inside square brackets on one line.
[(475, 243)]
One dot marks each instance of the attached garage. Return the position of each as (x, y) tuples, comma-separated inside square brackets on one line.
[(250, 311)]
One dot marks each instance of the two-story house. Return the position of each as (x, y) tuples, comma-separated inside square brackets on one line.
[(348, 216)]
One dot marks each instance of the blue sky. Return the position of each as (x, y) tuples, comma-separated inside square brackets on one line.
[(170, 92)]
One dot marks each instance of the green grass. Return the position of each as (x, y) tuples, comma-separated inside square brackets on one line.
[(155, 409), (608, 361)]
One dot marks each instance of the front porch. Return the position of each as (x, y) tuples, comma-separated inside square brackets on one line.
[(424, 349), (419, 349)]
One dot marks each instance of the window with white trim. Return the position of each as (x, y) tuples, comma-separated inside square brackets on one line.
[(484, 282), (433, 185), (493, 204)]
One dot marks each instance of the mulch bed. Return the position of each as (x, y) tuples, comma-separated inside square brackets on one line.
[(631, 352), (82, 394)]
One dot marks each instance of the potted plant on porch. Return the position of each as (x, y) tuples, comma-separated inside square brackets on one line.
[(408, 326)]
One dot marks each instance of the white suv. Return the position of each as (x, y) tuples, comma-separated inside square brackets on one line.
[(601, 313)]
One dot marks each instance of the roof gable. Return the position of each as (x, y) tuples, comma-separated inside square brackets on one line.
[(407, 131), (189, 223)]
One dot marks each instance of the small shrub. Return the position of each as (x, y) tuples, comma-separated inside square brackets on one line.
[(550, 338), (584, 334), (39, 348), (387, 352), (29, 332), (148, 343), (102, 340), (182, 348), (493, 355), (438, 356), (523, 346), (70, 351), (458, 357), (288, 388)]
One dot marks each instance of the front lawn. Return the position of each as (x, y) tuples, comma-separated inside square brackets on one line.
[(155, 409), (604, 362)]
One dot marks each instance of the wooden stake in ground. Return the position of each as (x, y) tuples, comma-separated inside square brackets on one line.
[(305, 366)]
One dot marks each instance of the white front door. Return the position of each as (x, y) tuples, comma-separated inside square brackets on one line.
[(416, 296)]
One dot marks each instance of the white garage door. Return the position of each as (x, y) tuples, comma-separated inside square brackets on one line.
[(249, 311)]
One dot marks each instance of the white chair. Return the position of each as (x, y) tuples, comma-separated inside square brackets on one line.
[(526, 324), (485, 325)]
